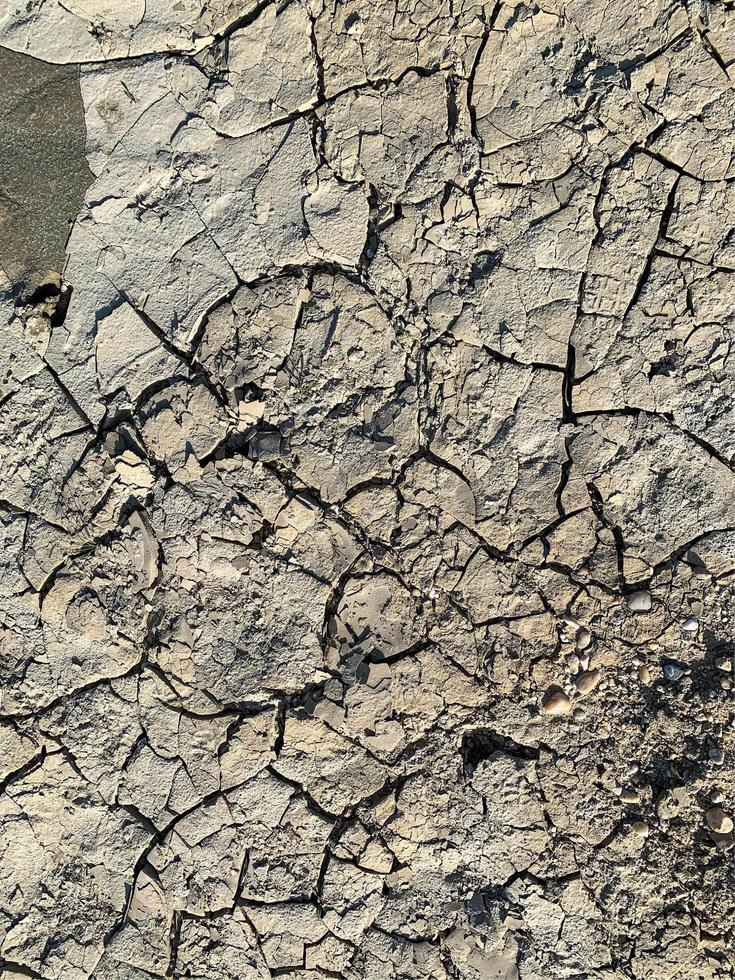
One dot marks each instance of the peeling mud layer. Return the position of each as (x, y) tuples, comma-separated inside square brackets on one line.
[(367, 478)]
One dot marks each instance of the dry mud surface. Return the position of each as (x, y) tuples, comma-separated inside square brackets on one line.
[(367, 464)]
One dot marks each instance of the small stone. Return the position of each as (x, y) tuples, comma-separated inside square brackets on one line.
[(584, 638), (724, 664), (556, 703), (640, 828), (630, 796), (718, 821), (672, 672), (717, 755), (726, 684), (588, 681), (690, 625), (644, 674), (639, 602)]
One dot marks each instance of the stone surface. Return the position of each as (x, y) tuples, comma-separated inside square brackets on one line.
[(366, 490), (43, 168)]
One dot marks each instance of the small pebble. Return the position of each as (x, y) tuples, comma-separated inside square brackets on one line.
[(726, 684), (724, 664), (718, 821), (584, 638), (672, 672), (638, 602), (588, 681), (644, 674), (640, 828), (690, 625), (630, 796), (556, 703), (717, 755)]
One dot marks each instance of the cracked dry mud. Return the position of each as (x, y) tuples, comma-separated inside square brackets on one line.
[(367, 462)]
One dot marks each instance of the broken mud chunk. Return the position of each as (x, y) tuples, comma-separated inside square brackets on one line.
[(556, 702), (587, 681), (718, 821)]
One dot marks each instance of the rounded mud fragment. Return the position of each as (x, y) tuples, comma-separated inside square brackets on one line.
[(555, 702), (718, 821), (639, 602), (584, 638), (588, 681)]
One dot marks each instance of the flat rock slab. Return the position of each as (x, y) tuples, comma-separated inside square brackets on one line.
[(43, 167)]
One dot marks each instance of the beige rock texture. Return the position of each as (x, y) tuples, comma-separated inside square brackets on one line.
[(367, 489)]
